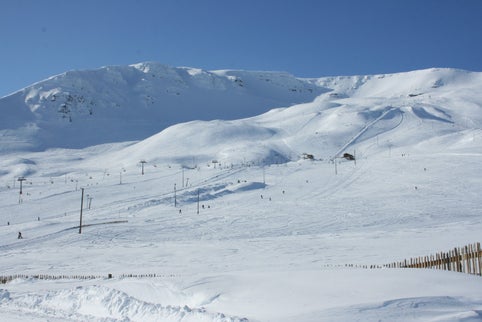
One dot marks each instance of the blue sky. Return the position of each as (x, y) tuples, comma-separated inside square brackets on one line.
[(308, 38)]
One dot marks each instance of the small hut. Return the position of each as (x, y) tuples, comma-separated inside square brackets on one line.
[(349, 156)]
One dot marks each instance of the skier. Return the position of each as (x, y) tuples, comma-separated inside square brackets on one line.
[(20, 235)]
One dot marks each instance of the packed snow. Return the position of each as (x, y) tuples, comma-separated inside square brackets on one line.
[(242, 208)]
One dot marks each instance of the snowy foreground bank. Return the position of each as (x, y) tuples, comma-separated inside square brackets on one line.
[(323, 295)]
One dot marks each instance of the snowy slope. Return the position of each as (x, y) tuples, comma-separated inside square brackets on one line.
[(272, 232), (337, 121), (125, 103)]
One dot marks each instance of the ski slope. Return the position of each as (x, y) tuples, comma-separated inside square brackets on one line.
[(272, 233)]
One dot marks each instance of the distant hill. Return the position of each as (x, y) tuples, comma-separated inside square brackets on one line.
[(123, 103), (258, 116)]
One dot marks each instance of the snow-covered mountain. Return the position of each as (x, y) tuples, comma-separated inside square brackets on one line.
[(244, 210), (123, 103), (238, 116), (126, 103)]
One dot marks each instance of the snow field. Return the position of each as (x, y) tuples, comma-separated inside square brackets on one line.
[(274, 232), (321, 221)]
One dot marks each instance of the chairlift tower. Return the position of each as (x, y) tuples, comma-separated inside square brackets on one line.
[(20, 179), (89, 201), (142, 162)]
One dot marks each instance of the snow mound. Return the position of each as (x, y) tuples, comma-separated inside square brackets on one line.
[(443, 308), (100, 303)]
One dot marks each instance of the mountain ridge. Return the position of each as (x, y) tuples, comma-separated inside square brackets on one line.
[(78, 109), (122, 94)]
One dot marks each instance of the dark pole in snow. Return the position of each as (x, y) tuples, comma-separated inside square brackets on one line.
[(81, 206), (198, 201), (183, 177), (90, 200), (175, 201)]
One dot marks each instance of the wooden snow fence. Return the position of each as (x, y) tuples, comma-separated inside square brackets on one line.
[(466, 259), (8, 278)]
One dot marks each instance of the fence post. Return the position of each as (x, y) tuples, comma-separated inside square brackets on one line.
[(451, 260), (457, 260), (479, 258), (475, 259), (446, 261), (472, 257), (468, 249)]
